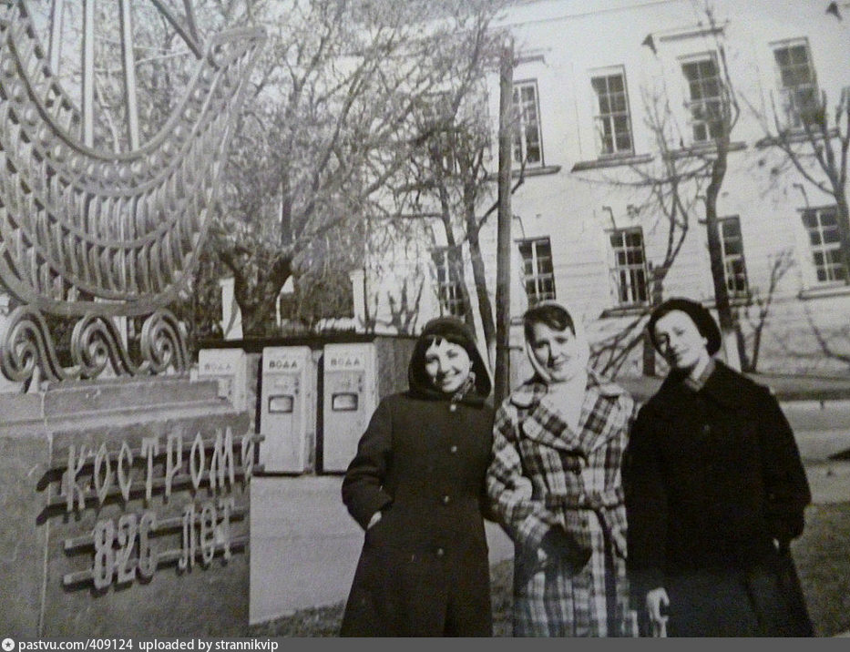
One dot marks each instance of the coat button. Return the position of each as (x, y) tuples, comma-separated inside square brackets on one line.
[(440, 552), (706, 429), (446, 499), (453, 450), (452, 407)]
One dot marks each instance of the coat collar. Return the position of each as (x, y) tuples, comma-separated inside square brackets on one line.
[(533, 390), (725, 386), (546, 426)]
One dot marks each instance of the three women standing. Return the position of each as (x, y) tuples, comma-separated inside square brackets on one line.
[(715, 491), (416, 486), (555, 486), (705, 489)]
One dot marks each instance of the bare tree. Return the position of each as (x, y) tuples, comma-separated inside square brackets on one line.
[(334, 121), (723, 118), (814, 141), (447, 179), (833, 345), (779, 265), (668, 188), (672, 188)]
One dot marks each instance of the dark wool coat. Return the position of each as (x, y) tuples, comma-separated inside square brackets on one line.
[(424, 567), (712, 478), (546, 478)]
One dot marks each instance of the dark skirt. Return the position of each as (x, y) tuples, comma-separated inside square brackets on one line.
[(417, 593), (764, 601)]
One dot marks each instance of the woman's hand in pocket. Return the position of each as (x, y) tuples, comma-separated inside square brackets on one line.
[(557, 544)]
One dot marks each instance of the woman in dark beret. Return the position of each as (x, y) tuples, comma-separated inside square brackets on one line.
[(715, 491), (416, 486)]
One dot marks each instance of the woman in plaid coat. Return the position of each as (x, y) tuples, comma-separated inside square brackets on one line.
[(555, 486)]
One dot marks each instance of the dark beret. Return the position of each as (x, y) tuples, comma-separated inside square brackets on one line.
[(699, 315)]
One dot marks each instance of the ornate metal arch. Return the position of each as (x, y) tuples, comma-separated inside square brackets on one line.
[(94, 234)]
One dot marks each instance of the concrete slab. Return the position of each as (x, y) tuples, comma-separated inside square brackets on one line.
[(829, 482), (821, 428), (815, 415), (304, 545)]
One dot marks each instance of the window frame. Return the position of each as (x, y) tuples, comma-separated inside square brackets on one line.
[(539, 277), (831, 254), (450, 293), (600, 117), (730, 276), (519, 138), (636, 292), (712, 127), (795, 116)]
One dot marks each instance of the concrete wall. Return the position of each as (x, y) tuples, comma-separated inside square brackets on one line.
[(51, 552)]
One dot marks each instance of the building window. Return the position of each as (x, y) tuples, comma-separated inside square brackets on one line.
[(528, 146), (734, 267), (613, 123), (629, 270), (798, 83), (706, 98), (449, 289), (825, 241), (538, 274)]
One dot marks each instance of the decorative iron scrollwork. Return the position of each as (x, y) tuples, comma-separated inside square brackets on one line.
[(26, 344), (164, 342), (97, 234), (96, 346)]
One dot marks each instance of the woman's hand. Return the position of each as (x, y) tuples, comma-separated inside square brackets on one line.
[(557, 544), (374, 520), (655, 601)]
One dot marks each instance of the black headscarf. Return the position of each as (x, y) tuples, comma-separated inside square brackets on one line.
[(455, 331)]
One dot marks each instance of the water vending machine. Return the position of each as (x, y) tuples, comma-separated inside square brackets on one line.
[(350, 397), (288, 409), (230, 368)]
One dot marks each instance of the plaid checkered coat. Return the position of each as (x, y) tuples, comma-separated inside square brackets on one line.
[(543, 476)]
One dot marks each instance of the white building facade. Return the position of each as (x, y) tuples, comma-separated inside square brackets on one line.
[(618, 104)]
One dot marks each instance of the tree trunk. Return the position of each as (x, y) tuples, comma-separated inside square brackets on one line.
[(455, 252), (843, 227), (715, 251), (258, 303), (503, 260), (485, 308)]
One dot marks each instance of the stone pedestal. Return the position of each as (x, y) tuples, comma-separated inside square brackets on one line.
[(126, 510)]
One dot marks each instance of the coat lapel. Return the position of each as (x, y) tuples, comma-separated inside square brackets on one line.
[(600, 417), (545, 426)]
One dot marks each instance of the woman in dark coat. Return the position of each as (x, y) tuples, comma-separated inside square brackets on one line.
[(715, 491), (416, 486)]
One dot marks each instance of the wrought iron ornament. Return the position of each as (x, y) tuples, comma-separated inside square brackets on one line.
[(95, 341), (95, 234)]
